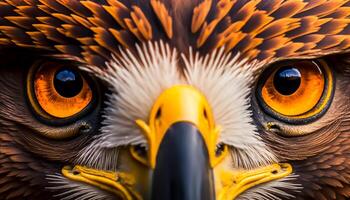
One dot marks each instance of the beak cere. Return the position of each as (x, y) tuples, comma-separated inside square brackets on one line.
[(183, 169)]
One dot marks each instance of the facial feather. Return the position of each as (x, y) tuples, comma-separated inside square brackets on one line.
[(137, 80)]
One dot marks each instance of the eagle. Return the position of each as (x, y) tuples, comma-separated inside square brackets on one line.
[(175, 99)]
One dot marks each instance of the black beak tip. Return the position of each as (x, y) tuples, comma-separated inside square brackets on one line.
[(183, 171)]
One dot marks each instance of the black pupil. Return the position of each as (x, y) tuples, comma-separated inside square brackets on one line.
[(68, 83), (287, 80)]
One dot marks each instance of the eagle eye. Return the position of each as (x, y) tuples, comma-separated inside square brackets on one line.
[(296, 91), (58, 90)]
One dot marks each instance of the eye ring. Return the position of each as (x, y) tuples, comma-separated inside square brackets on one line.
[(48, 70), (317, 110)]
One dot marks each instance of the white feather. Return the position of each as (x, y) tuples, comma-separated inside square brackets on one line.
[(272, 190), (136, 80), (69, 190), (226, 83)]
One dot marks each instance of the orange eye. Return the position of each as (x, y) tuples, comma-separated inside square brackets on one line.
[(61, 91), (299, 89)]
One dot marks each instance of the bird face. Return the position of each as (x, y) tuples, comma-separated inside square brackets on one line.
[(174, 100)]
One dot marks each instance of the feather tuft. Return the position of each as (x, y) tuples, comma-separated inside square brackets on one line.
[(136, 80)]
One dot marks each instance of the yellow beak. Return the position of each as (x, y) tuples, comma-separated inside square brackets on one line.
[(180, 104), (182, 155)]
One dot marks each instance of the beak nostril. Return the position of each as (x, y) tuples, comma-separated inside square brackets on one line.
[(75, 172), (219, 149), (159, 113), (205, 114), (140, 150), (274, 172)]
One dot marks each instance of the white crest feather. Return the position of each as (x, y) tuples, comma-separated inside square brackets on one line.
[(226, 83), (137, 80)]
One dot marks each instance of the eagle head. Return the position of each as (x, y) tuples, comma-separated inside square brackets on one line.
[(174, 99)]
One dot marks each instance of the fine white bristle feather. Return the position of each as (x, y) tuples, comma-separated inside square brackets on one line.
[(135, 81), (272, 190), (226, 83), (68, 190)]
